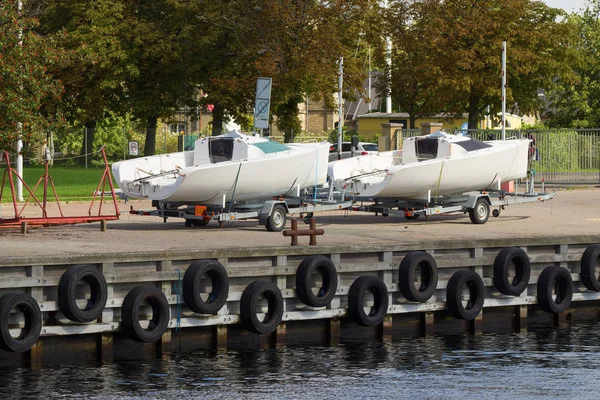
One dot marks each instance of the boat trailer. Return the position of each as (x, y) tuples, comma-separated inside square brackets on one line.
[(271, 213), (477, 204)]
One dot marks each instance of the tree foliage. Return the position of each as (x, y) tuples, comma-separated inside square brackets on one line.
[(466, 36), (576, 102), (29, 93)]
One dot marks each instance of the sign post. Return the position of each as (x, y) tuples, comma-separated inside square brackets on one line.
[(133, 148), (262, 103)]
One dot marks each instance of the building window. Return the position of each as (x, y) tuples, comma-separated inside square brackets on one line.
[(177, 128)]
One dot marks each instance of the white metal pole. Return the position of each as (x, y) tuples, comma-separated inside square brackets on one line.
[(370, 102), (503, 90), (340, 109), (20, 129), (388, 62), (85, 145)]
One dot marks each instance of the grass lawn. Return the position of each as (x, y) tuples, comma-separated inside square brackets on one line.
[(71, 183)]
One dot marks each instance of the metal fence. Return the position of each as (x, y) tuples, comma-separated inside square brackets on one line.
[(559, 156)]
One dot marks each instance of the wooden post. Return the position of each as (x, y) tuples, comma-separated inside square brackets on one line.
[(427, 321), (219, 337), (103, 225), (476, 325), (24, 228), (105, 340), (332, 332), (105, 347), (385, 329), (520, 318), (164, 344), (278, 335)]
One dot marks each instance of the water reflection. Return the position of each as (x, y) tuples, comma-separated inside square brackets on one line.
[(545, 363)]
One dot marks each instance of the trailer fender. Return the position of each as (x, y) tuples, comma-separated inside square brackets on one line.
[(472, 200), (267, 210)]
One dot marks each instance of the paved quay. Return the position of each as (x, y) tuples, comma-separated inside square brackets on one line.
[(572, 212)]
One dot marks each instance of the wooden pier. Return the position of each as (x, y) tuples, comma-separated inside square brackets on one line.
[(104, 306)]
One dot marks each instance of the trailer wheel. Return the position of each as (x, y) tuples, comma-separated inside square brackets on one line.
[(200, 222), (276, 221), (481, 212), (495, 213)]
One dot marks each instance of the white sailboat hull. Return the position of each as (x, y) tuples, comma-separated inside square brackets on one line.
[(380, 176), (277, 174)]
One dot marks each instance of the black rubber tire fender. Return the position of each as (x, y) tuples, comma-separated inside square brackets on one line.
[(249, 304), (407, 272), (33, 322), (356, 296), (67, 293), (508, 258), (555, 277), (130, 314), (191, 286), (305, 281), (457, 283), (590, 267)]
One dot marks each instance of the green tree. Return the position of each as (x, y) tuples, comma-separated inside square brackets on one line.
[(467, 38), (298, 44), (415, 72), (29, 93), (575, 102), (98, 61)]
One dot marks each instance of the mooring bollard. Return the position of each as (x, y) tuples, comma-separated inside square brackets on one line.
[(312, 232)]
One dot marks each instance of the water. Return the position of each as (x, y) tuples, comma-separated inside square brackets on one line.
[(546, 363)]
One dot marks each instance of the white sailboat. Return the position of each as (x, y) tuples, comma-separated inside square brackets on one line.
[(229, 167), (438, 164)]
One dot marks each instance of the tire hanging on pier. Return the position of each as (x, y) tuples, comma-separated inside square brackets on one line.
[(192, 281), (413, 264), (32, 326), (130, 313), (67, 293), (356, 298), (555, 289), (508, 259), (249, 306), (305, 280), (590, 267), (460, 281)]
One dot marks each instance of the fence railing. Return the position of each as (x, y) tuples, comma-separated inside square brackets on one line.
[(562, 156)]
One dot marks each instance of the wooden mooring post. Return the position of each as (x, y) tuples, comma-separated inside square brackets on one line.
[(312, 232)]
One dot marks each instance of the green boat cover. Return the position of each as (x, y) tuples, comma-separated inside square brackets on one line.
[(270, 147)]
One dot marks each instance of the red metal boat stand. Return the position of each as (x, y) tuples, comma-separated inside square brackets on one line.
[(45, 220)]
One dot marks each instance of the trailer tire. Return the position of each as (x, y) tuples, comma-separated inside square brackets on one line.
[(356, 297), (276, 221), (480, 213), (67, 302), (559, 278), (474, 305), (590, 267), (305, 281), (33, 322), (505, 260), (249, 304), (407, 272), (130, 314), (191, 286)]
